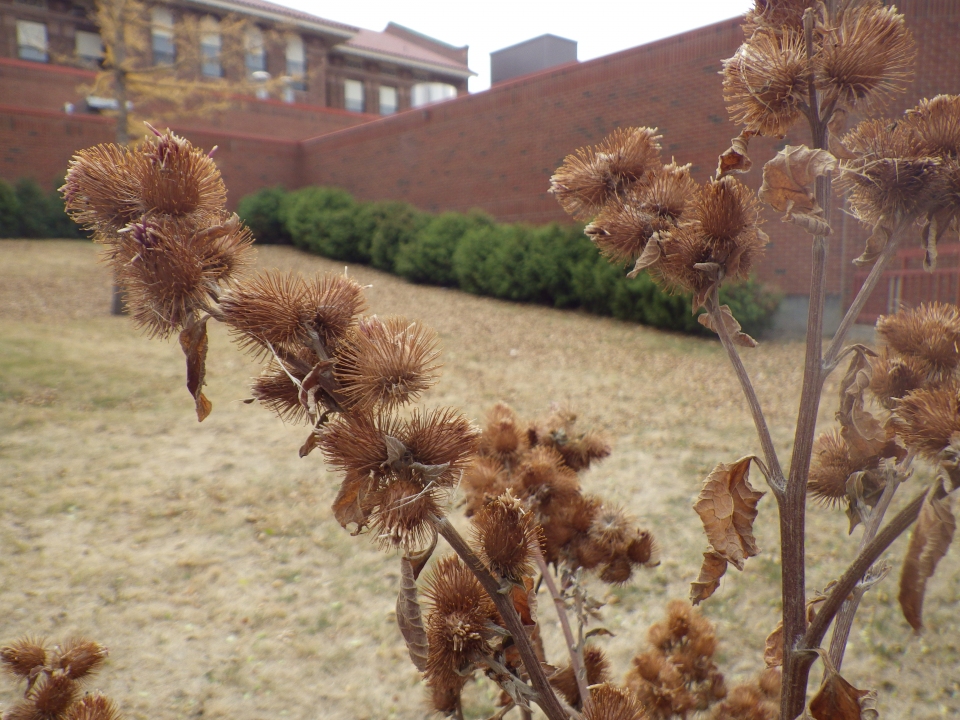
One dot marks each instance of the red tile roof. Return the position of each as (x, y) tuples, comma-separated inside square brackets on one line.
[(386, 44)]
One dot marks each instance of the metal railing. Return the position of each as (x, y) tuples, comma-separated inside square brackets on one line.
[(906, 284)]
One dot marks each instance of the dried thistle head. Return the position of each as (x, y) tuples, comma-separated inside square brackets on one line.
[(776, 15), (175, 178), (458, 632), (507, 537), (936, 125), (100, 191), (893, 376), (52, 695), (483, 480), (355, 443), (442, 439), (403, 512), (609, 702), (545, 481), (659, 686), (592, 176), (78, 657), (276, 391), (503, 436), (578, 450), (170, 269), (598, 671), (830, 467), (387, 362), (765, 83), (94, 706), (277, 311), (625, 224), (23, 656), (891, 177), (929, 333), (926, 419), (865, 58)]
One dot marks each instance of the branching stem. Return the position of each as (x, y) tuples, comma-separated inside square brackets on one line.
[(546, 697), (575, 649)]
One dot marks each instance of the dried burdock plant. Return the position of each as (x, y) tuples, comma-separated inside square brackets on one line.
[(159, 210), (55, 678), (813, 61)]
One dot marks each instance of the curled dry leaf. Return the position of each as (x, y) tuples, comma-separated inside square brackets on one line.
[(863, 433), (727, 505), (788, 182), (193, 340), (735, 159), (652, 252), (731, 324), (929, 542), (773, 647), (933, 229), (708, 580), (409, 617), (839, 700), (875, 244), (349, 506)]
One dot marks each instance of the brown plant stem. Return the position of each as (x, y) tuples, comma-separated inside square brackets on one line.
[(775, 478), (546, 697), (575, 648), (845, 585), (843, 623), (856, 307)]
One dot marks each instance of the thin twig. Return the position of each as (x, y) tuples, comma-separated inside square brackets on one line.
[(843, 623), (856, 307), (773, 471), (546, 697), (848, 581), (574, 648)]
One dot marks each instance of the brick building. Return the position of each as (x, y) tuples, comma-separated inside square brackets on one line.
[(494, 150)]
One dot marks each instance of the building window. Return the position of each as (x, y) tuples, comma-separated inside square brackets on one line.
[(255, 55), (31, 41), (161, 36), (426, 93), (210, 47), (296, 63), (89, 46), (388, 100), (353, 96)]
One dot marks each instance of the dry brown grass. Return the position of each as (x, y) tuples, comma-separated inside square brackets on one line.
[(205, 555)]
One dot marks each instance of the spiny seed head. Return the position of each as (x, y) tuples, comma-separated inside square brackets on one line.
[(829, 469), (776, 15), (893, 376), (890, 177), (354, 443), (927, 419), (441, 437), (94, 706), (53, 694), (643, 549), (168, 266), (176, 178), (608, 702), (388, 362), (936, 124), (100, 191), (865, 58), (617, 571), (502, 435), (78, 657), (765, 84), (21, 657), (544, 480), (275, 390), (930, 333), (483, 480), (404, 510), (598, 671), (592, 176), (726, 210), (507, 537), (457, 623)]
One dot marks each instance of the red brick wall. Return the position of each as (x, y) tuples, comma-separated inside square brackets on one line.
[(496, 150)]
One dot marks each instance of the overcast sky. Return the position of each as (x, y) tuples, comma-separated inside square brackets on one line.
[(600, 27)]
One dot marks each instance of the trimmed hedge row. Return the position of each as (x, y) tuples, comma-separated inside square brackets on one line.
[(27, 212), (553, 264)]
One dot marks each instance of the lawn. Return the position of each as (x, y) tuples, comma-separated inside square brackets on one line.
[(205, 555)]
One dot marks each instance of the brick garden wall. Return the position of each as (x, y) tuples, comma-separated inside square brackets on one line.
[(496, 150)]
